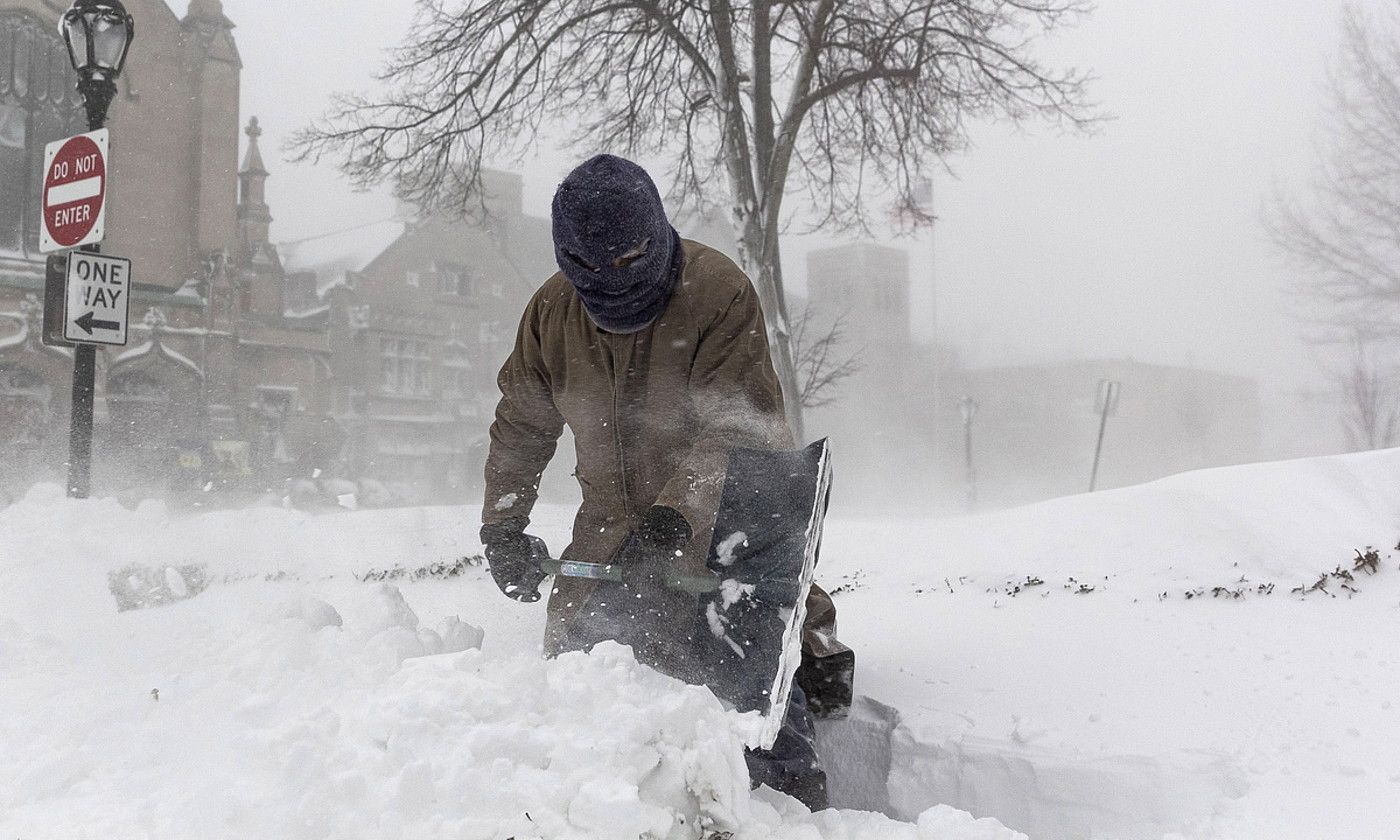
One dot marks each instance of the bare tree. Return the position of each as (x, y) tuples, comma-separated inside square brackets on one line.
[(820, 361), (845, 100), (1346, 239), (1370, 394)]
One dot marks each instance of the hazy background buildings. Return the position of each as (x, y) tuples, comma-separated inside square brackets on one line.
[(289, 325)]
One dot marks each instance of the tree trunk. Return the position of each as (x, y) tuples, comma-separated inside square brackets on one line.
[(758, 252), (766, 273)]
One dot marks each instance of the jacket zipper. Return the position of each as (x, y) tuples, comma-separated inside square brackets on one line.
[(619, 371)]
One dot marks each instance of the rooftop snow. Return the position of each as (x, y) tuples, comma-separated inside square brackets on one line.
[(144, 348), (331, 256)]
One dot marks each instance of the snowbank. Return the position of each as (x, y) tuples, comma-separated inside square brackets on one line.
[(1280, 521), (306, 704), (1137, 663), (1120, 697)]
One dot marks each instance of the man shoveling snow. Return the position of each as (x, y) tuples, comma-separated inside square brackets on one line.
[(652, 349)]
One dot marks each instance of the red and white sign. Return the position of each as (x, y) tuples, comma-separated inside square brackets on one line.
[(75, 191)]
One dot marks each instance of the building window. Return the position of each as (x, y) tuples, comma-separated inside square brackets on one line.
[(456, 280), (37, 106), (456, 371), (275, 402), (406, 367), (413, 279)]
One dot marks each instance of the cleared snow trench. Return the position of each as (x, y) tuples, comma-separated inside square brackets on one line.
[(875, 763)]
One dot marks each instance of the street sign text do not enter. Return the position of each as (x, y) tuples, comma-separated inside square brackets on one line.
[(74, 198), (98, 299)]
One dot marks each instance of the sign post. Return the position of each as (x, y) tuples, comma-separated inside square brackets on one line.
[(97, 292), (1107, 404), (98, 34)]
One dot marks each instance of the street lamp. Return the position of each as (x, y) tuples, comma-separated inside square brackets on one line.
[(98, 34)]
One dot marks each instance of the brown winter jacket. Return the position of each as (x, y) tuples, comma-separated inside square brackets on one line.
[(653, 413)]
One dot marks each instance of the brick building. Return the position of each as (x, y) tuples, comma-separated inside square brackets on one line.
[(365, 356), (239, 374), (220, 381), (422, 312)]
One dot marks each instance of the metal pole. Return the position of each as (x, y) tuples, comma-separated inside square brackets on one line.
[(971, 471), (936, 358), (80, 428), (97, 96), (1098, 449)]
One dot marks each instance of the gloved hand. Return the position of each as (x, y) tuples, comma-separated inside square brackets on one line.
[(650, 556), (510, 554), (659, 622)]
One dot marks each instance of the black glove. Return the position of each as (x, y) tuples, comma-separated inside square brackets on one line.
[(650, 555), (511, 556), (658, 621)]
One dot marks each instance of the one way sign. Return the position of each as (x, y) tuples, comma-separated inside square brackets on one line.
[(98, 298)]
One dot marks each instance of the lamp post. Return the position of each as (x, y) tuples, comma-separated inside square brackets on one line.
[(98, 34)]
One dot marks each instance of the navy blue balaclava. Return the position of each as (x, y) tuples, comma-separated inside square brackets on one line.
[(614, 243)]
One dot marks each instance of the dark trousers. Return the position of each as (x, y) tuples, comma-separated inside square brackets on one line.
[(792, 765)]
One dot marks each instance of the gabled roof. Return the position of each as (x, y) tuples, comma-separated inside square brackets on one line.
[(334, 255), (152, 350)]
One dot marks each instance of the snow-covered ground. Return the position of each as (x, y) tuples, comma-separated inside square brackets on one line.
[(291, 699)]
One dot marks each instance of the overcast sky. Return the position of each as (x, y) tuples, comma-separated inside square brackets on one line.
[(1142, 241)]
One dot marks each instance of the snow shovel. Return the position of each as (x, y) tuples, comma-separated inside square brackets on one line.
[(766, 543), (764, 553)]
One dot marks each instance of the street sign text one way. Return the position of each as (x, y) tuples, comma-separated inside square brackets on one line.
[(75, 192), (98, 298)]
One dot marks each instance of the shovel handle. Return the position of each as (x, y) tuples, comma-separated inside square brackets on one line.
[(613, 573)]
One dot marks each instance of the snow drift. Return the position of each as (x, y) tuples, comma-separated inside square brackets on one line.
[(293, 699), (328, 709)]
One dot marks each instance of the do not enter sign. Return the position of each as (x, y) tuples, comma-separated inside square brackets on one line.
[(75, 191)]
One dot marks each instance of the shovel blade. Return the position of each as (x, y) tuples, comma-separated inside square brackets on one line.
[(766, 543)]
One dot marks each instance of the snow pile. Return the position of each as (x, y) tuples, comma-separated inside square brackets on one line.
[(312, 705), (1138, 663), (1120, 696), (1280, 521)]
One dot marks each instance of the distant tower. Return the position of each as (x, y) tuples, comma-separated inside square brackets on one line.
[(868, 286), (212, 56), (254, 216)]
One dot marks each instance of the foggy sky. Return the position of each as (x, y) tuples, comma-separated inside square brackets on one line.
[(1142, 241)]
